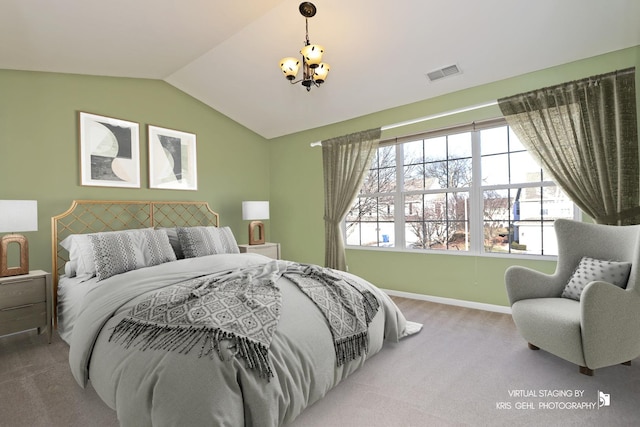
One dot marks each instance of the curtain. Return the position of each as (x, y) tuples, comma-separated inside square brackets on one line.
[(346, 161), (584, 134)]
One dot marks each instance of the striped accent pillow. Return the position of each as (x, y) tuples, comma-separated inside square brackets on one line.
[(122, 251), (202, 241)]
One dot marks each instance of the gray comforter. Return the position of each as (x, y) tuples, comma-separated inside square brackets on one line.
[(156, 387)]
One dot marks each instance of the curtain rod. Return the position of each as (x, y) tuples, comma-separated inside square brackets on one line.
[(426, 118)]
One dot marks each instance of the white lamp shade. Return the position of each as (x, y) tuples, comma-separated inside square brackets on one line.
[(18, 216), (320, 73), (255, 210), (312, 54), (290, 67)]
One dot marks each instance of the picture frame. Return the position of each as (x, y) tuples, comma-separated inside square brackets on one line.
[(109, 151), (172, 159)]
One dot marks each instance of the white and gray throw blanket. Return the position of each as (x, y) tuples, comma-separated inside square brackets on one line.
[(243, 307), (347, 306)]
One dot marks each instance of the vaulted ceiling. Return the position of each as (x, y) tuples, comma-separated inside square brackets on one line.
[(226, 53)]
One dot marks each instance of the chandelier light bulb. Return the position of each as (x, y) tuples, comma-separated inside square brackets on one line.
[(290, 67), (312, 54), (320, 73)]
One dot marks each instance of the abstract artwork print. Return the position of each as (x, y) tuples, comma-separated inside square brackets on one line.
[(172, 159), (109, 152)]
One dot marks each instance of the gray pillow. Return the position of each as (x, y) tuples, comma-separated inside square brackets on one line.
[(202, 241), (172, 233), (590, 270), (122, 251)]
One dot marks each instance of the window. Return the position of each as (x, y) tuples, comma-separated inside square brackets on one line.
[(471, 188)]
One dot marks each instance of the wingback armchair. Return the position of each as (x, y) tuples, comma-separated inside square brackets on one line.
[(600, 329)]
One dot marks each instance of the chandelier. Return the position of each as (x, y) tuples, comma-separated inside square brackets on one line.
[(314, 71)]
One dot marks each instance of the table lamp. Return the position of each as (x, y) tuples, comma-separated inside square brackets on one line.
[(254, 212), (16, 215)]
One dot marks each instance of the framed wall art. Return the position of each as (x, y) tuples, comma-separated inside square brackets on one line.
[(172, 159), (109, 151)]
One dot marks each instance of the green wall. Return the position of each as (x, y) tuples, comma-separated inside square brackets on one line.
[(39, 160), (297, 190), (39, 147)]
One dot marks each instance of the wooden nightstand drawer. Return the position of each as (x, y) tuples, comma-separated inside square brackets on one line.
[(19, 318), (272, 250), (22, 291), (26, 302)]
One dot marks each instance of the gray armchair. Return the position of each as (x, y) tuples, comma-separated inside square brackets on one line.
[(603, 327)]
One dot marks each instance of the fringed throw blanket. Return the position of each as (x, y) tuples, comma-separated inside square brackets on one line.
[(243, 307), (347, 306)]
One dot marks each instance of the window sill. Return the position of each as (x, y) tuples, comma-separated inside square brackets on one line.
[(454, 253)]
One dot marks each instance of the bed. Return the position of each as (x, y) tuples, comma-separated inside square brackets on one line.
[(173, 326)]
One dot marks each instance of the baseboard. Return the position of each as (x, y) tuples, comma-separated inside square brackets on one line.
[(451, 301)]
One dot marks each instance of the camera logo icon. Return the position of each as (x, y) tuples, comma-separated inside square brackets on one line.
[(604, 399)]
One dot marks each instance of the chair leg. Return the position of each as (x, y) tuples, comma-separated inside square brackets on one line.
[(533, 347), (627, 363), (586, 371)]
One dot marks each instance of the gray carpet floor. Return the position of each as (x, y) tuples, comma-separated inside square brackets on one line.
[(465, 368)]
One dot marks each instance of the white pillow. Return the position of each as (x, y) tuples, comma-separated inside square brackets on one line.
[(590, 270), (80, 253), (70, 268), (201, 241)]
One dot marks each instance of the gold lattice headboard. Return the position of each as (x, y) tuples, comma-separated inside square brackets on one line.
[(92, 216)]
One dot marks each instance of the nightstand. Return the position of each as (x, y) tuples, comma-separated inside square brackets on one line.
[(272, 250), (25, 303)]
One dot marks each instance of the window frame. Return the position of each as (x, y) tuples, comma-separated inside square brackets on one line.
[(475, 191)]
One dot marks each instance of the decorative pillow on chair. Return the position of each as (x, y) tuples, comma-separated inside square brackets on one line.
[(590, 270), (201, 241)]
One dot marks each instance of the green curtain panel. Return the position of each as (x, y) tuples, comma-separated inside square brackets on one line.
[(584, 134), (346, 161)]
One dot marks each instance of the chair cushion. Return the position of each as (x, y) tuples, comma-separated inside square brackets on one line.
[(590, 270), (553, 324)]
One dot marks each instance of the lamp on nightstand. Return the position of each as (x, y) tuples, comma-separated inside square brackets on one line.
[(254, 212), (16, 215)]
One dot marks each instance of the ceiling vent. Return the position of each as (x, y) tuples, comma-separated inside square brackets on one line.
[(443, 72)]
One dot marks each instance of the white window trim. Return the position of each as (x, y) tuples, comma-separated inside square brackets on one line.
[(475, 195)]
